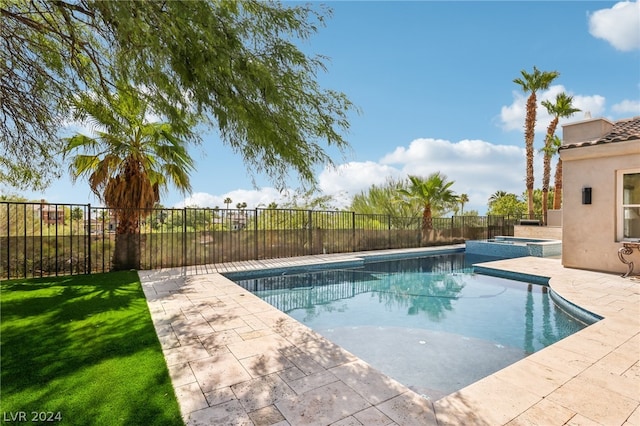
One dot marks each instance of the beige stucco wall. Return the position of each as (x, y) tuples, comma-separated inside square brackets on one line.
[(542, 232), (554, 218), (589, 231)]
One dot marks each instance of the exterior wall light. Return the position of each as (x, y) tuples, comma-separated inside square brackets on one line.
[(586, 195)]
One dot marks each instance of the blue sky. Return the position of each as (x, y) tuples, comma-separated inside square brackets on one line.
[(434, 83)]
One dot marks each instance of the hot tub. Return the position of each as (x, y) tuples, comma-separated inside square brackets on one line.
[(510, 247)]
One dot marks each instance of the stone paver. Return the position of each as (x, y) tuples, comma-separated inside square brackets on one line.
[(235, 360), (322, 406)]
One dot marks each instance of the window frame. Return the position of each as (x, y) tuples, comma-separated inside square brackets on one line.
[(620, 206)]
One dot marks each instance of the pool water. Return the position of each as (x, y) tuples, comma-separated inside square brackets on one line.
[(431, 323)]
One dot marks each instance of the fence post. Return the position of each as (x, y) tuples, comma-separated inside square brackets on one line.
[(184, 236), (256, 239), (353, 231), (451, 229), (9, 239), (505, 225), (464, 236), (310, 225), (24, 225), (88, 238)]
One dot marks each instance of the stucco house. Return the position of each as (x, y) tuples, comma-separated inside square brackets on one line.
[(51, 214), (601, 199)]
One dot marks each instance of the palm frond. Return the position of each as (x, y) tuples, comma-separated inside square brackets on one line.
[(132, 161)]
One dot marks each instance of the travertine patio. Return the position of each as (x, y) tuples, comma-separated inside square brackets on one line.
[(235, 360)]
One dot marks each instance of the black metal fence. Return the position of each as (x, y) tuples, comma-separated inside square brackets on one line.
[(39, 239)]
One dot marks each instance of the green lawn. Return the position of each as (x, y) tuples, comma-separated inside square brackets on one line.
[(84, 349)]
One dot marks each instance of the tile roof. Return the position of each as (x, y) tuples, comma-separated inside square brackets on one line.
[(623, 130)]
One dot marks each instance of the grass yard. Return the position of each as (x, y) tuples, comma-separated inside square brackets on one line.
[(82, 350)]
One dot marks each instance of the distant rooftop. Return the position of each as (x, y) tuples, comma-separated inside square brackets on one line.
[(599, 131)]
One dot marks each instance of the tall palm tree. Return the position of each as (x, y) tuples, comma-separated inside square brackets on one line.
[(433, 193), (561, 108), (463, 199), (557, 178), (129, 162), (531, 83)]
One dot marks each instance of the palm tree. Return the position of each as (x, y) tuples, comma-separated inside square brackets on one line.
[(228, 201), (128, 163), (463, 199), (557, 178), (562, 108), (497, 196), (531, 83), (503, 203), (432, 193)]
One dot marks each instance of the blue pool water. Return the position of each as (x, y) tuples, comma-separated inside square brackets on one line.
[(431, 323)]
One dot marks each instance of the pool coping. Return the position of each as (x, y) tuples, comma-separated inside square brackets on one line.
[(234, 360)]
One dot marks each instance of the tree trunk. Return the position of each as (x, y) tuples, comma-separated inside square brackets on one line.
[(545, 206), (427, 223), (557, 195), (546, 172), (529, 133), (126, 255), (531, 212), (546, 177)]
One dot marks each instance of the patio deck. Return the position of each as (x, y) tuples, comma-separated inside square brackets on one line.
[(236, 360)]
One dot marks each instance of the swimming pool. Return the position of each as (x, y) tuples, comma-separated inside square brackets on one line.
[(431, 322)]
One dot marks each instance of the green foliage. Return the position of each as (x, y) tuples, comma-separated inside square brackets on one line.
[(309, 200), (131, 160), (129, 163), (77, 213), (189, 219), (294, 219), (537, 200), (462, 199), (506, 204), (383, 200), (433, 193), (13, 198), (85, 347), (535, 81), (233, 64)]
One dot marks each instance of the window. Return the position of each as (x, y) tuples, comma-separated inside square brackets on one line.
[(629, 204)]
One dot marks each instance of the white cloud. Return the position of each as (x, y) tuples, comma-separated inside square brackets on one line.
[(254, 198), (594, 105), (477, 167), (627, 107), (512, 116), (619, 25), (346, 180)]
